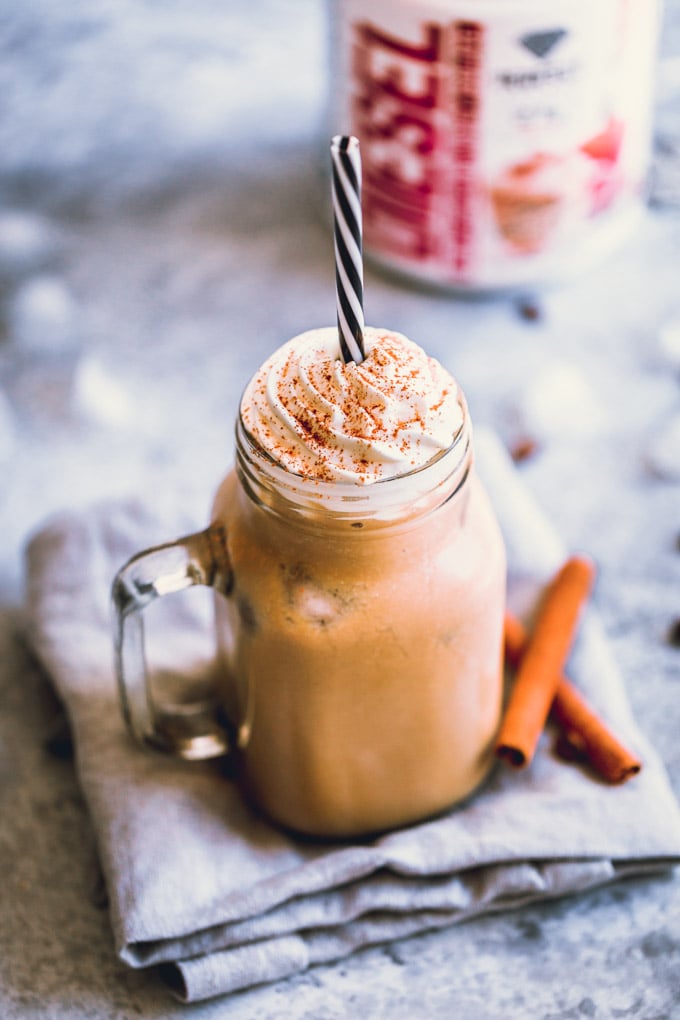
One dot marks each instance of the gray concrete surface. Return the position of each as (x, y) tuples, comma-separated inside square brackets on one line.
[(162, 228)]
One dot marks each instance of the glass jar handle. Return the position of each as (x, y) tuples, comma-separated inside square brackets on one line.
[(201, 558)]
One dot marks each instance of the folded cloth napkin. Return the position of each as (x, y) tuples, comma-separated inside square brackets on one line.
[(201, 885)]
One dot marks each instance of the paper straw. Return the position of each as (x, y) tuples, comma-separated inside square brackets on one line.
[(349, 273)]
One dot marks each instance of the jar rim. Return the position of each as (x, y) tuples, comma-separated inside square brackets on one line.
[(419, 489)]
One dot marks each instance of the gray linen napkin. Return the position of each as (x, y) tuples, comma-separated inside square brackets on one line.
[(221, 899)]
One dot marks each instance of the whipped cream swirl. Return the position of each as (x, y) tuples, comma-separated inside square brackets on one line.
[(321, 418)]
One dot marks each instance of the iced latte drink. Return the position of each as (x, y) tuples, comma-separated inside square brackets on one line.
[(361, 643), (360, 589)]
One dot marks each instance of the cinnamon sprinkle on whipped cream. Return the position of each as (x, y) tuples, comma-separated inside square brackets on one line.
[(321, 418)]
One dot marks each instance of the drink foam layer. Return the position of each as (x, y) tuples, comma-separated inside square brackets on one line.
[(324, 419)]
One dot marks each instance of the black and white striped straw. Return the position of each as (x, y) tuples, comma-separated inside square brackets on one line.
[(349, 271)]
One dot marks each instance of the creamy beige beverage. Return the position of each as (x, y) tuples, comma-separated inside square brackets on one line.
[(360, 642), (360, 591)]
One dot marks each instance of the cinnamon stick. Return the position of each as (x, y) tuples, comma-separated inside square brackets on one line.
[(583, 734), (543, 660)]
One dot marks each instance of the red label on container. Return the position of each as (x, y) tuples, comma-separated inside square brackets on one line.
[(496, 147), (467, 37), (396, 97)]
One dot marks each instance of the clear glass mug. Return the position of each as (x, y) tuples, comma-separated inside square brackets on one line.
[(359, 640)]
